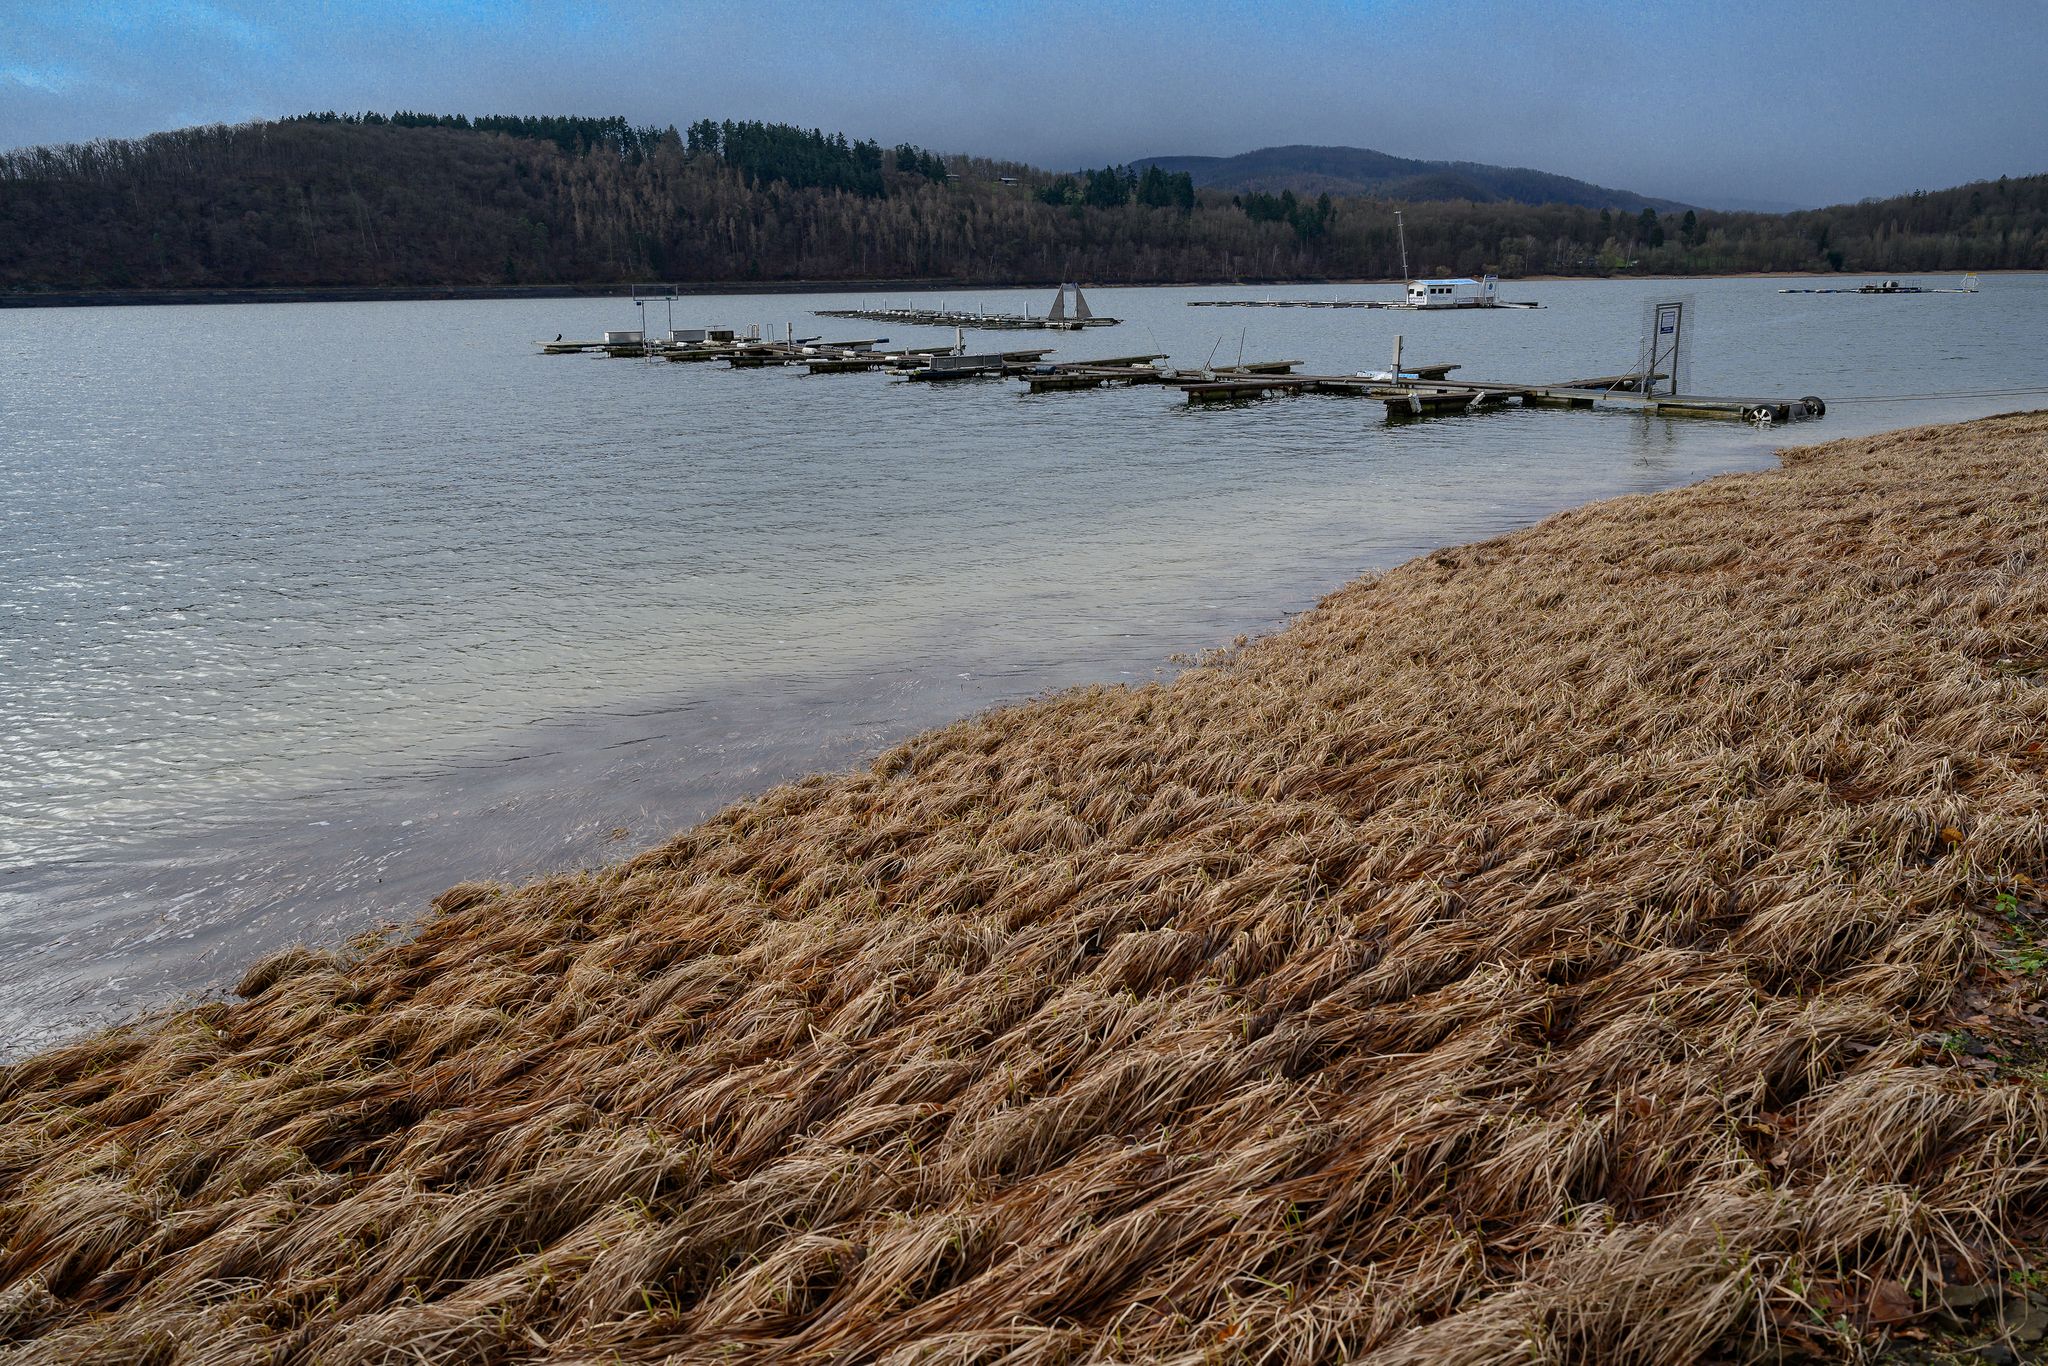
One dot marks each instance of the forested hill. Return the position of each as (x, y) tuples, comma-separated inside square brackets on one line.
[(1362, 171), (418, 200)]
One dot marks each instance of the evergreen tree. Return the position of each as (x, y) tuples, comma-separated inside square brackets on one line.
[(1108, 188)]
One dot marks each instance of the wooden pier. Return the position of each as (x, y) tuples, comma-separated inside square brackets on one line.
[(1399, 305), (1626, 391), (800, 352), (703, 352), (719, 343), (1226, 386), (1291, 303), (874, 360), (1134, 370), (987, 322), (1407, 391), (1427, 391), (993, 365), (1056, 319)]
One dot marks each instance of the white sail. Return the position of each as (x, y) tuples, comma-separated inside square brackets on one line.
[(1080, 304), (1059, 307)]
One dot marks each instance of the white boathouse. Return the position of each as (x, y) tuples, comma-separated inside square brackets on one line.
[(1459, 293)]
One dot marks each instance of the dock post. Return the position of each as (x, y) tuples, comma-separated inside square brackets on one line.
[(1397, 358)]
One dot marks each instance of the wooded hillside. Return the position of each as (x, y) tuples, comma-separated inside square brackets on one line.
[(411, 200)]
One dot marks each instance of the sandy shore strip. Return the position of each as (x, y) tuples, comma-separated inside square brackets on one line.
[(1622, 940)]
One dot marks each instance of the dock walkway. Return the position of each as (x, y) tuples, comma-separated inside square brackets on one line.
[(990, 322), (1056, 318), (1408, 391), (1430, 393)]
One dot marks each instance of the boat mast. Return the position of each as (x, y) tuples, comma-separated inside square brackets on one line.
[(1402, 228)]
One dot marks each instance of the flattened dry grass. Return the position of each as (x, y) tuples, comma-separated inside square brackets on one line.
[(1526, 955)]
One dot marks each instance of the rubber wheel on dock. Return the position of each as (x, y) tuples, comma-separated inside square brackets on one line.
[(1814, 407), (1760, 413)]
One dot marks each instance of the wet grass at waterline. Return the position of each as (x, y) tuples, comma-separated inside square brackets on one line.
[(1612, 940)]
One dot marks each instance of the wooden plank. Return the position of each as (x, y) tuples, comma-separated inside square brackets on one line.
[(1417, 403), (1244, 390), (1111, 362), (1059, 383)]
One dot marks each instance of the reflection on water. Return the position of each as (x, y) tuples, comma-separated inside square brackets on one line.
[(309, 610)]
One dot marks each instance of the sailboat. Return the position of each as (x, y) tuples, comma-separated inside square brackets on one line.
[(1057, 315)]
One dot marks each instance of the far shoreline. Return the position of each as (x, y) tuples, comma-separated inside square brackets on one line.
[(305, 294)]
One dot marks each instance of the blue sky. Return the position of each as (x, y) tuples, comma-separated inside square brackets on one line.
[(1794, 103)]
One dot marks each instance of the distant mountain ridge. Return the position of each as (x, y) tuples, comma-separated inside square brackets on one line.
[(1341, 171)]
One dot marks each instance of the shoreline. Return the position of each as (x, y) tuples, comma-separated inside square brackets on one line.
[(193, 901), (113, 298), (354, 854), (1637, 862)]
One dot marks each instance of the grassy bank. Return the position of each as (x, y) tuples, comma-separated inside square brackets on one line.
[(1614, 940)]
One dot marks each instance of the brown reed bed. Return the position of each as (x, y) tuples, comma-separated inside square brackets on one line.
[(1596, 943)]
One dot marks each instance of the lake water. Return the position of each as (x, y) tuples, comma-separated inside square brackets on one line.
[(308, 611)]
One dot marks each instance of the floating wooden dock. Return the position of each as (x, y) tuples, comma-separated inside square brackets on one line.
[(1290, 303), (1629, 391), (992, 365), (1094, 374), (697, 343), (987, 322), (1056, 319), (706, 351), (1407, 390), (800, 352), (1400, 305), (1227, 386), (1428, 392), (874, 360), (1968, 286)]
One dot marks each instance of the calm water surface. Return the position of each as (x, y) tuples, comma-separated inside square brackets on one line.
[(307, 611)]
